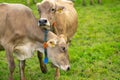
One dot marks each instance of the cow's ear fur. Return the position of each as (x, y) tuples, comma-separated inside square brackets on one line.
[(37, 4)]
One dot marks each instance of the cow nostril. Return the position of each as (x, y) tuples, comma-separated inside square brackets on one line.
[(68, 68), (45, 21), (39, 21)]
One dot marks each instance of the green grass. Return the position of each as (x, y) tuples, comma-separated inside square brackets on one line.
[(94, 51)]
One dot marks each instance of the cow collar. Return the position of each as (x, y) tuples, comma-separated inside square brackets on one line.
[(52, 26), (45, 43), (45, 46)]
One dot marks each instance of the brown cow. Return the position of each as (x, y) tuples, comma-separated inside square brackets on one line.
[(60, 16), (20, 34)]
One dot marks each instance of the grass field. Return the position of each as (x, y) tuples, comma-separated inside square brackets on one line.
[(94, 51)]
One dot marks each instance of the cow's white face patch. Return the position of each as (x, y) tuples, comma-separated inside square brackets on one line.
[(65, 67)]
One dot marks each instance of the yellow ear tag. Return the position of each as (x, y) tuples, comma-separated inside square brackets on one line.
[(60, 10), (52, 44)]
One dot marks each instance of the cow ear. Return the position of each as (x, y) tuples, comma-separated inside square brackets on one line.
[(64, 37), (52, 43), (60, 9), (37, 4)]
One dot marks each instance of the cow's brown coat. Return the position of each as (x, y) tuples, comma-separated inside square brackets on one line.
[(66, 20)]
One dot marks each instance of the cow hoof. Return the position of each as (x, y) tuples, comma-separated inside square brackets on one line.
[(57, 77)]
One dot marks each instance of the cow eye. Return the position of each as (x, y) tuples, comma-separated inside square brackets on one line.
[(53, 10)]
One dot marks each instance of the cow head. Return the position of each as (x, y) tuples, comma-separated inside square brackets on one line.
[(47, 11), (58, 53)]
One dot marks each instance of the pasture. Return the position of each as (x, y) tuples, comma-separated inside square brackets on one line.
[(94, 51)]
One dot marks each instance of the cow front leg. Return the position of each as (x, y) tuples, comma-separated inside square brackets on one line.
[(57, 73), (11, 63), (42, 65), (22, 68)]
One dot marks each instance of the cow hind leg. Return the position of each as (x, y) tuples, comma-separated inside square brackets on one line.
[(22, 68), (42, 65), (11, 63)]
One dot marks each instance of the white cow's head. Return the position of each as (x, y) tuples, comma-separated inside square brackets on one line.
[(58, 52)]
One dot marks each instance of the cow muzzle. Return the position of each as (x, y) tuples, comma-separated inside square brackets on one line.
[(43, 22), (65, 67)]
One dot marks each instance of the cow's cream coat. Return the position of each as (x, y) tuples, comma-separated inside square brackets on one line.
[(21, 35), (27, 50)]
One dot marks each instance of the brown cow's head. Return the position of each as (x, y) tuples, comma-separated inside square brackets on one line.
[(58, 53), (47, 10)]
